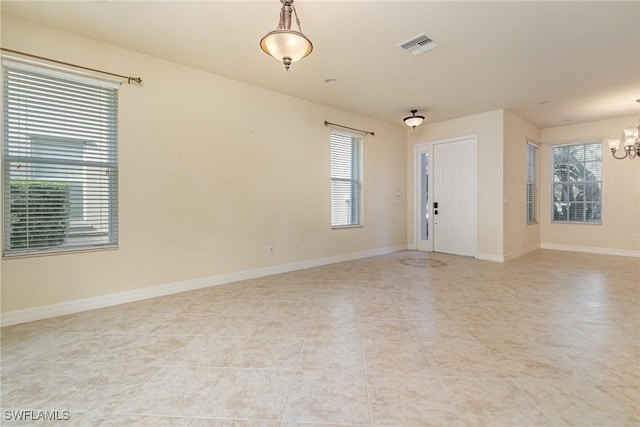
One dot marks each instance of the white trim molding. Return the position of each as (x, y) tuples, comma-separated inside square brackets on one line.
[(77, 306), (591, 250), (489, 257), (520, 252)]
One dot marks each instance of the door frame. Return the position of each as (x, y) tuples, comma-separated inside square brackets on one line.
[(429, 148)]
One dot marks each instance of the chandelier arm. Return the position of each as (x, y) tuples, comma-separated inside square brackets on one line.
[(613, 153)]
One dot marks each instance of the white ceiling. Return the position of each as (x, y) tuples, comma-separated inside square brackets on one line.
[(552, 63)]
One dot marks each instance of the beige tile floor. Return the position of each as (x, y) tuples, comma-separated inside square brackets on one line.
[(406, 339)]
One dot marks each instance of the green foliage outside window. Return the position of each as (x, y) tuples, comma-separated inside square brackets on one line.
[(38, 214)]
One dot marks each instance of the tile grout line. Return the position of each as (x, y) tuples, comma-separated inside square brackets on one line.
[(364, 370), (295, 371)]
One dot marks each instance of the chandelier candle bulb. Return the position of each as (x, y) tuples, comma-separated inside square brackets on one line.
[(614, 144)]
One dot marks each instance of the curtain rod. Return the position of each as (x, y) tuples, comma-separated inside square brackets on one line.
[(532, 142), (326, 123), (127, 78)]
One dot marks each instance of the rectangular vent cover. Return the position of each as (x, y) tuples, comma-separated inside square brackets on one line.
[(418, 44)]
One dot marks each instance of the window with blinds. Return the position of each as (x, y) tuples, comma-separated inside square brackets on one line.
[(532, 184), (346, 180), (60, 171), (577, 183)]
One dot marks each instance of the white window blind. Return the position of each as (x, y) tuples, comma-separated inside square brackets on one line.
[(60, 173), (346, 180), (577, 183), (532, 184)]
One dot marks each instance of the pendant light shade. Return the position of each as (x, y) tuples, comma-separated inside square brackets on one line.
[(285, 44), (413, 120)]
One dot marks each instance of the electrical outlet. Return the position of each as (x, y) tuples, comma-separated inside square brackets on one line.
[(295, 247), (634, 237), (269, 249)]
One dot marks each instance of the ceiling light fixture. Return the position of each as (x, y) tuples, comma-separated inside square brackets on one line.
[(283, 43), (631, 144), (413, 120)]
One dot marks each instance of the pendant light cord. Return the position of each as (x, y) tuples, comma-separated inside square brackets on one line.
[(295, 12)]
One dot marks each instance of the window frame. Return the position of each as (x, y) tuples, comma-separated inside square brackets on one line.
[(356, 180), (593, 185), (60, 133)]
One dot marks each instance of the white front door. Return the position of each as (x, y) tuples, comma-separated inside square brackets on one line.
[(454, 205)]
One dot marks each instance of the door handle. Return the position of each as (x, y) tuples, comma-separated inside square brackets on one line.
[(435, 212), (435, 205)]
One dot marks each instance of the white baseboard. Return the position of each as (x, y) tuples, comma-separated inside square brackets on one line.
[(591, 250), (76, 306), (520, 252), (489, 257)]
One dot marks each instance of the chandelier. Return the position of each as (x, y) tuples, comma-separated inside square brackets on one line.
[(283, 43), (631, 145)]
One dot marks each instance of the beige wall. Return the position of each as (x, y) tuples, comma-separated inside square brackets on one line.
[(211, 171), (519, 237), (620, 192), (488, 127)]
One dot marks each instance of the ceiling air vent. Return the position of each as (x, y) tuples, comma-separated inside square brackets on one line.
[(418, 44)]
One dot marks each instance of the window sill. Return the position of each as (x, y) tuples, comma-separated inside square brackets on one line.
[(577, 222), (49, 252), (342, 227)]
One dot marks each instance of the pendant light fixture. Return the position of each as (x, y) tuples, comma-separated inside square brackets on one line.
[(283, 43), (413, 121)]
